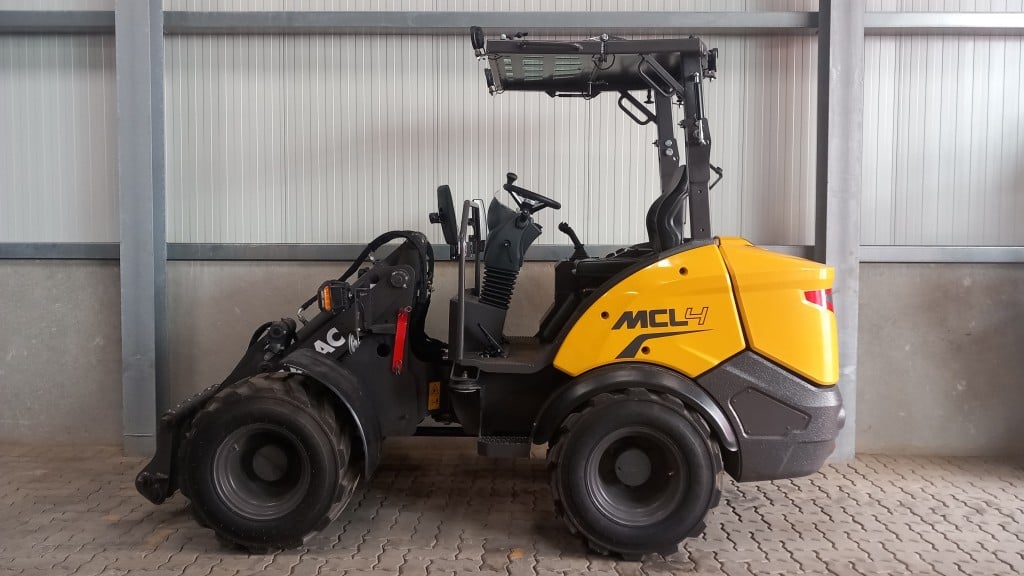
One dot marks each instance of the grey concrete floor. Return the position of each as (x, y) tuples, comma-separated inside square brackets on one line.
[(436, 508)]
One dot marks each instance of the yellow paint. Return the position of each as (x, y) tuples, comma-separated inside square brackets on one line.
[(433, 396), (679, 287), (780, 323)]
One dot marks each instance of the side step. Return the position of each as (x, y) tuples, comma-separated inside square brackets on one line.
[(503, 446)]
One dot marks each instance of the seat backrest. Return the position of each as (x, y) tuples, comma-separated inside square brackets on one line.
[(665, 216), (445, 216)]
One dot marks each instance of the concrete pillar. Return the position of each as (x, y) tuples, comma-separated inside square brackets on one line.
[(837, 224)]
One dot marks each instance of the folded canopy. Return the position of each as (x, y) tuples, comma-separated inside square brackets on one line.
[(586, 67), (672, 69)]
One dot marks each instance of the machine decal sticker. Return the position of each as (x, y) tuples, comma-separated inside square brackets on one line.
[(659, 318), (633, 347), (334, 340)]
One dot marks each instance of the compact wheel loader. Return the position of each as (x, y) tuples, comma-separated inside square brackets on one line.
[(655, 368)]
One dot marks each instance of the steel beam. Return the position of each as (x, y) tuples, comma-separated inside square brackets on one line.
[(286, 252), (59, 251), (394, 22), (340, 252), (537, 252), (943, 254), (943, 23), (139, 47), (459, 22), (56, 22), (838, 194), (270, 252)]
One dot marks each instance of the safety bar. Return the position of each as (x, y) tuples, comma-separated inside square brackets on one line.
[(460, 334)]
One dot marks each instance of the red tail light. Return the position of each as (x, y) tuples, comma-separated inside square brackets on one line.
[(820, 298)]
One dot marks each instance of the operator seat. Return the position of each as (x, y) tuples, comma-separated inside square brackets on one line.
[(665, 216), (577, 279)]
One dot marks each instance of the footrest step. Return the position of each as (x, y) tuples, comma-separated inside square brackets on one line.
[(503, 446)]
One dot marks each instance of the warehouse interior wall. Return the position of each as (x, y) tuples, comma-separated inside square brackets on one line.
[(60, 352), (940, 362), (323, 139), (943, 133)]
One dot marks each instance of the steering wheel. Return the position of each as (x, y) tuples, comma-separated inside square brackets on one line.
[(539, 201)]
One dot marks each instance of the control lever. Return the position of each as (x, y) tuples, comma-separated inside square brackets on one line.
[(510, 187), (495, 348), (579, 252)]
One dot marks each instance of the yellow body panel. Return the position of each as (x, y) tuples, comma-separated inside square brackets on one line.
[(678, 312), (780, 323)]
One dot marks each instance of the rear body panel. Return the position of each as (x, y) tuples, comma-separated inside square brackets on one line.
[(677, 312), (780, 323)]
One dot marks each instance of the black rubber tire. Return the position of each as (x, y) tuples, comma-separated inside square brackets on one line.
[(682, 446), (320, 469)]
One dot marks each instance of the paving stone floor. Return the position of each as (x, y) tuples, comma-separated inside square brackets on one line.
[(436, 508)]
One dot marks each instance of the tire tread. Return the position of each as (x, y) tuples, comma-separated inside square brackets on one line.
[(293, 389), (557, 447)]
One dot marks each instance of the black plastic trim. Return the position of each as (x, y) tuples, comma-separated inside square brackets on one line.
[(344, 384), (785, 425), (625, 375)]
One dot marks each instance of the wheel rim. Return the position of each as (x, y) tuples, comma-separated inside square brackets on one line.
[(636, 476), (261, 471)]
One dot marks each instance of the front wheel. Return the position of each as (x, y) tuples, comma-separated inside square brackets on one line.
[(634, 472), (266, 463)]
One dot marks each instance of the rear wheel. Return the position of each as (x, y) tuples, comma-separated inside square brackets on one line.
[(266, 463), (634, 472)]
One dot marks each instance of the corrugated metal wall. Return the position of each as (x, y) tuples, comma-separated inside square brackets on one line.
[(56, 4), (345, 137), (334, 138), (943, 141), (337, 138), (944, 5), (58, 178), (942, 134)]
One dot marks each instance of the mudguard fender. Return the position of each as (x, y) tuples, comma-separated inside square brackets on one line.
[(346, 387), (631, 375)]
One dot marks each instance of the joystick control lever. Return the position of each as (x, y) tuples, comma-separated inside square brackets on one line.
[(579, 252)]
